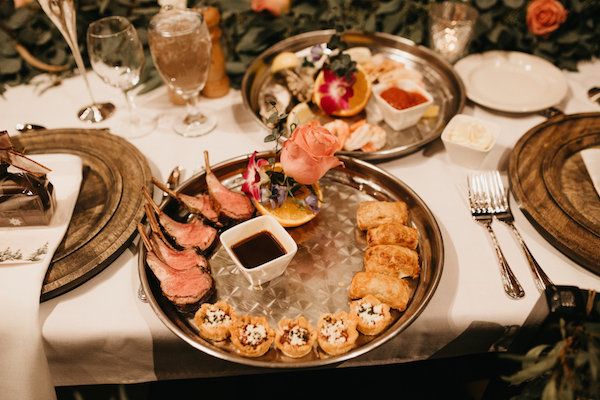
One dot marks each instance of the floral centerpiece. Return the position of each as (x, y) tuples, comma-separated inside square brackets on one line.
[(289, 189)]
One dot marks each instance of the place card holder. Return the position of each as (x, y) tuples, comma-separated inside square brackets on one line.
[(26, 197)]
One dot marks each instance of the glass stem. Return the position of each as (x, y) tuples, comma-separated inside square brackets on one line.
[(193, 112), (134, 119), (81, 66)]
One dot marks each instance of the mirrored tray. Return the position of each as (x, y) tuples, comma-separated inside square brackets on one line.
[(440, 79), (330, 252)]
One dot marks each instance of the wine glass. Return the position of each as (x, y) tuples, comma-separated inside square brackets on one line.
[(62, 14), (117, 56), (180, 45)]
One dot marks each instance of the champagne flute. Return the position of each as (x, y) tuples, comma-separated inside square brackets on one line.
[(62, 14), (180, 45), (117, 56)]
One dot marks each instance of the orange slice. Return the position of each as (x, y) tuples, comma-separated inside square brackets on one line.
[(290, 213), (358, 101)]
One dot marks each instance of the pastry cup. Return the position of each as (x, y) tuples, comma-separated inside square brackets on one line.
[(283, 342), (237, 331), (214, 331), (373, 326), (348, 328), (401, 119)]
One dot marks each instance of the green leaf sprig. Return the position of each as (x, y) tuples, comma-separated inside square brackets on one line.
[(339, 62)]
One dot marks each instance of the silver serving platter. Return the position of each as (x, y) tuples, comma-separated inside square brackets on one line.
[(330, 252), (440, 79)]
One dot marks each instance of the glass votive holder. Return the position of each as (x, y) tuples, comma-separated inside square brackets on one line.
[(451, 26)]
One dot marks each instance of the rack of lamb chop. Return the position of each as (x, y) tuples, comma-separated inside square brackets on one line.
[(200, 204), (186, 286), (232, 205), (220, 205), (193, 234)]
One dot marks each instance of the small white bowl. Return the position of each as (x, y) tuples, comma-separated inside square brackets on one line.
[(401, 119), (269, 270), (463, 152)]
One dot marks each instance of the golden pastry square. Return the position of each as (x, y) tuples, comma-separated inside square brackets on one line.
[(391, 259), (371, 214), (390, 290), (401, 235)]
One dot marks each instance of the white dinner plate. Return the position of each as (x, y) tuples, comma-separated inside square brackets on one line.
[(511, 81)]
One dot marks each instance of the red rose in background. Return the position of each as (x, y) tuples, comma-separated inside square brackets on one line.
[(21, 3), (275, 7), (545, 16)]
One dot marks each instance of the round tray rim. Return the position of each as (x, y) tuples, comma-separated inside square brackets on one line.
[(213, 351)]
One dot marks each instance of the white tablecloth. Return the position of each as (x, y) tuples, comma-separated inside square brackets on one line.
[(101, 333)]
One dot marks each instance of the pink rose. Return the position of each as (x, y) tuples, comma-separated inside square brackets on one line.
[(275, 7), (308, 154), (545, 16)]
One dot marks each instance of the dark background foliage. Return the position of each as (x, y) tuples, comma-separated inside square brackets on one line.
[(501, 26)]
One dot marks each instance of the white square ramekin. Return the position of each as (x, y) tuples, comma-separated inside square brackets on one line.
[(269, 270)]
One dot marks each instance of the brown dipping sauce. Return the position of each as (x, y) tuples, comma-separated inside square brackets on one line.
[(258, 249)]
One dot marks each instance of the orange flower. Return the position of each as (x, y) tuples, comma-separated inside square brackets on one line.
[(308, 154), (545, 16), (21, 3), (275, 7)]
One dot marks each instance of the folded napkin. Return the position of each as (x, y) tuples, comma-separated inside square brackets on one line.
[(591, 159), (24, 372)]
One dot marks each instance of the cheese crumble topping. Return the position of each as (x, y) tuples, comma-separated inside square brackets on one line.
[(216, 316), (370, 314), (334, 331), (253, 334), (297, 336)]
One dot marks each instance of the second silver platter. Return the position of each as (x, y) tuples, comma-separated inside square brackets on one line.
[(439, 77)]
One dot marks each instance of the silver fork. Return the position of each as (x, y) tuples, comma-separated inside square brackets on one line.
[(501, 210), (481, 210)]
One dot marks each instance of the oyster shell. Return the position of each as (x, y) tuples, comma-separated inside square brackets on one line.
[(300, 83), (276, 94)]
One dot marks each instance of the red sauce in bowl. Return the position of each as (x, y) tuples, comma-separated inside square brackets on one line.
[(401, 99)]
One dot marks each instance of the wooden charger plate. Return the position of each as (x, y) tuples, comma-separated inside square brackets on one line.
[(553, 188), (109, 205)]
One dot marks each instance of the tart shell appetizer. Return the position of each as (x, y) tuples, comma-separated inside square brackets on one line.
[(296, 337), (214, 320), (251, 335), (336, 333), (372, 315)]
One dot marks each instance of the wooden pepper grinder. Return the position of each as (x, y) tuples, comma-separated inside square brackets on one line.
[(217, 82)]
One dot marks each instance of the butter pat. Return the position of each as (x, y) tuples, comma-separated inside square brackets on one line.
[(468, 140), (472, 134)]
